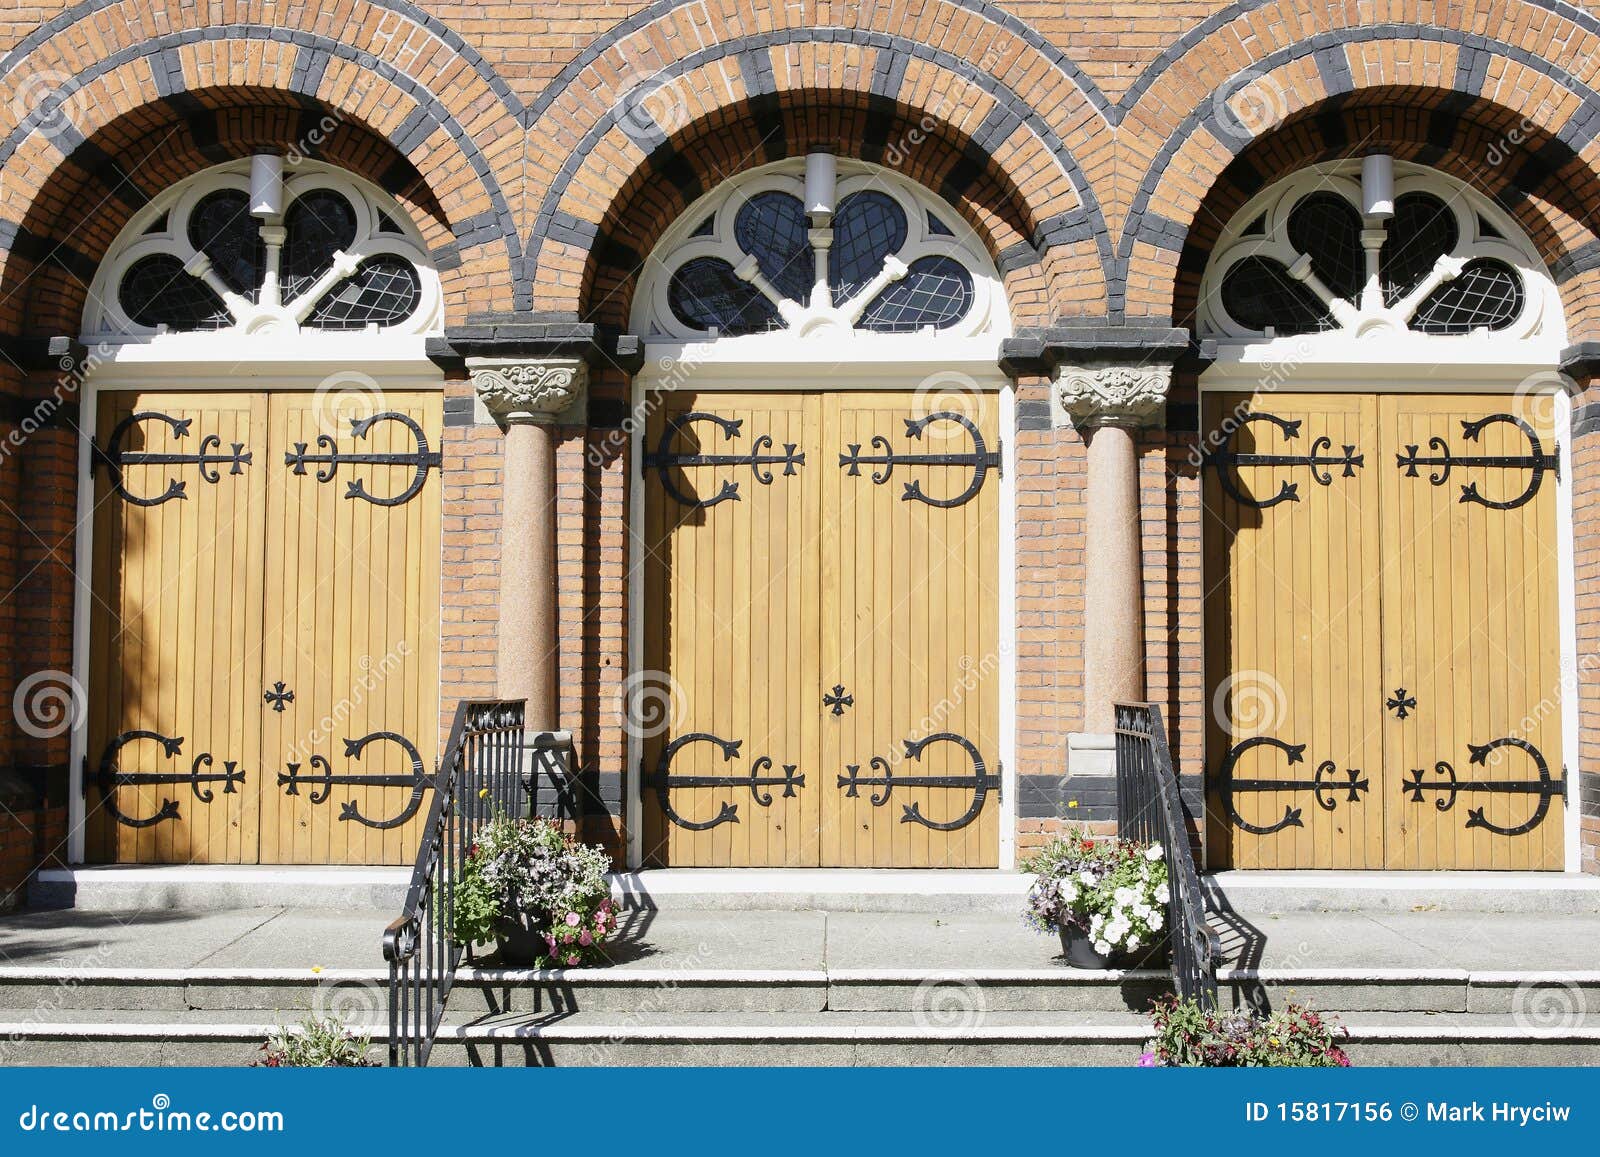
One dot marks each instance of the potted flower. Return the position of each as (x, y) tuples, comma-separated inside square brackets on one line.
[(1106, 897), (535, 891), (1294, 1037)]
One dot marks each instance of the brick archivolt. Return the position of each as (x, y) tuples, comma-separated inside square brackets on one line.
[(1103, 181)]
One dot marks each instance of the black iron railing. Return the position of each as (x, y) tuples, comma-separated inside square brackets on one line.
[(1150, 809), (480, 776)]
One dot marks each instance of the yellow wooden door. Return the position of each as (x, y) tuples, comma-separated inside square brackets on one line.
[(1382, 633), (174, 722), (351, 614), (1292, 631), (824, 620), (1472, 641), (910, 554), (731, 633)]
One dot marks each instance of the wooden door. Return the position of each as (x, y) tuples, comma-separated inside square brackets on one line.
[(910, 632), (1472, 652), (174, 730), (264, 641), (731, 633), (351, 629), (1292, 631), (824, 620), (1382, 632)]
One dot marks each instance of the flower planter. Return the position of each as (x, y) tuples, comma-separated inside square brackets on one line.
[(1079, 949), (521, 940)]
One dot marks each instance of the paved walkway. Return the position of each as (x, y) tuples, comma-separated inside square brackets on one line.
[(298, 938)]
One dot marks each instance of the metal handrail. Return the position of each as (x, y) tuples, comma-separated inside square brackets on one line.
[(1150, 810), (480, 776)]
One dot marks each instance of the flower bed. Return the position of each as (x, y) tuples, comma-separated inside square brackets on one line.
[(1293, 1037)]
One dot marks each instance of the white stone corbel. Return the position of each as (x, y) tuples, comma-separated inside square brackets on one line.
[(1111, 394), (520, 389)]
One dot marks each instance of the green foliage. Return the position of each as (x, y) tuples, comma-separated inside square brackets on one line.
[(1293, 1037), (319, 1043)]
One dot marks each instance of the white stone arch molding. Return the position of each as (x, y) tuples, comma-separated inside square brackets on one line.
[(816, 331), (1362, 328), (263, 326)]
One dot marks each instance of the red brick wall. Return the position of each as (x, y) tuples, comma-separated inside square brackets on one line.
[(30, 838)]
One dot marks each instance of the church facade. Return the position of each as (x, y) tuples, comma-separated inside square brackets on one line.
[(825, 412)]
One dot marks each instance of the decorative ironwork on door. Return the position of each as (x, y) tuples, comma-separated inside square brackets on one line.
[(980, 780), (663, 781), (108, 778), (664, 460), (1545, 788), (421, 460), (1227, 461), (208, 457), (980, 461), (1324, 784), (323, 780), (1537, 462)]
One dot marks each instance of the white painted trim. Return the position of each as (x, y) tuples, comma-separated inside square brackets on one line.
[(665, 882), (632, 773), (311, 876), (1567, 594), (1237, 883), (1007, 631), (1251, 368)]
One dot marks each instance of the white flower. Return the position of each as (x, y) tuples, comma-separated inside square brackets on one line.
[(1162, 895), (1102, 948), (1087, 878), (1156, 921), (1133, 942), (1069, 891), (1153, 852)]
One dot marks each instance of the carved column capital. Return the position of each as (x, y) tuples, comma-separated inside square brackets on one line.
[(1112, 394), (519, 390)]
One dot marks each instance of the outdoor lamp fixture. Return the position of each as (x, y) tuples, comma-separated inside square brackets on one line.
[(1377, 187), (266, 185)]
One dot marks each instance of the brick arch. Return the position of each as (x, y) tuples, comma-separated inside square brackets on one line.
[(180, 76), (53, 251), (1552, 193), (815, 88), (860, 126), (1490, 84)]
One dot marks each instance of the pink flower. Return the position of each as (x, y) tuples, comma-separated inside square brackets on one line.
[(572, 958), (586, 939), (573, 920), (1147, 1060)]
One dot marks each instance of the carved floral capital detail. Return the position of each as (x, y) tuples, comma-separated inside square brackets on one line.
[(527, 390), (1113, 393)]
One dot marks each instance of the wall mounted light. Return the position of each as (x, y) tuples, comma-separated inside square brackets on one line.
[(1377, 186), (266, 185)]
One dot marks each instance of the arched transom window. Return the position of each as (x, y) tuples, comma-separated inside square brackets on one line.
[(1433, 264), (812, 247), (314, 250)]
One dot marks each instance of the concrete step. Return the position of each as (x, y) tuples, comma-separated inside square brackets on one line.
[(207, 888), (641, 1039), (361, 995)]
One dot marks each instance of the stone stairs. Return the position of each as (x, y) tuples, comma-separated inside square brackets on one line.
[(734, 984)]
